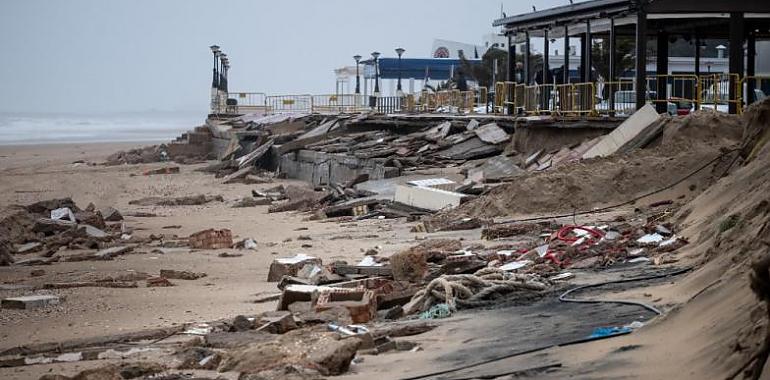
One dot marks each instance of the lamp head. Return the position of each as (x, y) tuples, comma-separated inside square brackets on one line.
[(214, 49), (400, 51), (357, 58), (375, 55)]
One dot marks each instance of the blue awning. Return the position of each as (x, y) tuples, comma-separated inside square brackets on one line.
[(437, 68)]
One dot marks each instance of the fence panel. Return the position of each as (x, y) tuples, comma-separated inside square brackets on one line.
[(753, 89), (289, 103)]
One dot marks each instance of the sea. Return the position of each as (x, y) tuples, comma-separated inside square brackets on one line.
[(29, 128)]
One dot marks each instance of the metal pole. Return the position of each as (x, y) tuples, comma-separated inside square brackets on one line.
[(736, 57), (751, 63), (526, 77), (566, 54), (641, 57), (510, 74), (611, 70), (661, 68), (376, 77), (587, 52), (546, 95)]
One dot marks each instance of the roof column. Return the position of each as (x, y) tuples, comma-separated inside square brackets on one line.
[(566, 54), (641, 57), (611, 71), (751, 53), (736, 56), (661, 68), (526, 78)]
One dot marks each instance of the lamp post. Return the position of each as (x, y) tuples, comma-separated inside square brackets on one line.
[(214, 80), (358, 78), (399, 51), (222, 60), (376, 56), (225, 69)]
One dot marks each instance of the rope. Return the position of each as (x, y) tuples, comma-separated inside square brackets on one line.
[(471, 290)]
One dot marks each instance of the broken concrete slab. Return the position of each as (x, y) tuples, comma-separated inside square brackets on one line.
[(495, 169), (435, 183), (277, 322), (111, 215), (491, 134), (624, 133), (94, 232), (428, 198), (469, 149), (290, 266), (29, 302), (361, 303), (109, 253), (248, 159)]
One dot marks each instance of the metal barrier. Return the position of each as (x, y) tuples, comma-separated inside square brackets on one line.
[(616, 97), (753, 88), (482, 99), (289, 103), (245, 102), (347, 103), (714, 91), (673, 91)]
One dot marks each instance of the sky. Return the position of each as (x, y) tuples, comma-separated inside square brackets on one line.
[(106, 56)]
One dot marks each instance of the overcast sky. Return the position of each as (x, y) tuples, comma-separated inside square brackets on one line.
[(96, 56)]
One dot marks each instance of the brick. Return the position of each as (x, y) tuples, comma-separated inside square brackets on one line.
[(29, 302), (211, 239)]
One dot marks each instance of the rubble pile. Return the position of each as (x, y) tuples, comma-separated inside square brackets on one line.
[(45, 227)]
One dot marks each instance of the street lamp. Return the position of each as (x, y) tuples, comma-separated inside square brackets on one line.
[(399, 51), (214, 80), (222, 60), (358, 78), (225, 69), (376, 56)]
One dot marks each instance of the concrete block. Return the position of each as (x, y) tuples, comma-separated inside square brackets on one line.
[(625, 132), (427, 198), (361, 303), (299, 293), (29, 302)]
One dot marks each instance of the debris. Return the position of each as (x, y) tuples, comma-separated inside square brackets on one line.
[(626, 131), (437, 311), (29, 302), (177, 201), (361, 303), (166, 170), (277, 322), (289, 266), (428, 198), (153, 282), (211, 239), (181, 274), (253, 202), (491, 133), (62, 214)]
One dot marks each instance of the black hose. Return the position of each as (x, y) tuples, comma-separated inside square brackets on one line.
[(563, 298)]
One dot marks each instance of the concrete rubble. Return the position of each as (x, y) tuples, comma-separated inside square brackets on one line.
[(328, 313)]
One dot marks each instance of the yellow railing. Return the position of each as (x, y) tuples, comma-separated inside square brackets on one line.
[(289, 103)]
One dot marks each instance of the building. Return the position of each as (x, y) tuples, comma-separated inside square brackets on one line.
[(646, 22)]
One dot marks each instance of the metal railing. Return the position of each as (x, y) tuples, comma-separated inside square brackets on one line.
[(245, 102), (342, 103), (721, 92)]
